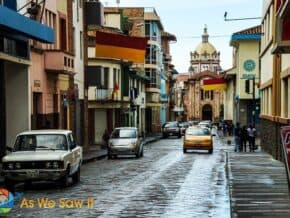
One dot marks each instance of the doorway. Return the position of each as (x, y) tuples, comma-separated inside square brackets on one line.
[(207, 112)]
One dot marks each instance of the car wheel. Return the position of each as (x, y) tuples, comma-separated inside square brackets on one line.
[(27, 184), (77, 175), (210, 151), (141, 155), (184, 150), (9, 184), (179, 135), (64, 181), (164, 136)]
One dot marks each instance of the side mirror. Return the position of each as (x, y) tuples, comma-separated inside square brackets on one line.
[(9, 149)]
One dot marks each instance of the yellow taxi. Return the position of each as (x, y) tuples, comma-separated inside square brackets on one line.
[(197, 137)]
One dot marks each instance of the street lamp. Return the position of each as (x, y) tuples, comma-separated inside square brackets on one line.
[(236, 19)]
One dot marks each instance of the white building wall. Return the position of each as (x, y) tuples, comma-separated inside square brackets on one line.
[(79, 47), (100, 124), (18, 109), (285, 62), (113, 20), (267, 66)]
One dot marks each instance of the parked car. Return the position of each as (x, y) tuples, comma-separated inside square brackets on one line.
[(183, 127), (42, 155), (125, 141), (197, 137), (171, 129), (205, 123)]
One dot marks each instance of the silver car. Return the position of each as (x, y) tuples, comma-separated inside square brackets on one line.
[(125, 141)]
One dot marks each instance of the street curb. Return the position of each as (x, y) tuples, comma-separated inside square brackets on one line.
[(98, 157), (153, 140)]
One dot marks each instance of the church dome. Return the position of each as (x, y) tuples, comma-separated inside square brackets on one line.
[(205, 46)]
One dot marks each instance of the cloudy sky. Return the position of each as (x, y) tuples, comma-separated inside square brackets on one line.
[(186, 19)]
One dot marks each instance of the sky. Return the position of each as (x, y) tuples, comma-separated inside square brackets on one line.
[(186, 20)]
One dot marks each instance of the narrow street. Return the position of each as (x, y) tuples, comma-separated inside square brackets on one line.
[(164, 183)]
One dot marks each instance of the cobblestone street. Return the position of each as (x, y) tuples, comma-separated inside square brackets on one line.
[(164, 183)]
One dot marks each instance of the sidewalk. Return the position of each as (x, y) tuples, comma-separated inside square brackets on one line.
[(257, 184)]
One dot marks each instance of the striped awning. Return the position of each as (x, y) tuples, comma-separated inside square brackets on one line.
[(109, 45), (214, 84)]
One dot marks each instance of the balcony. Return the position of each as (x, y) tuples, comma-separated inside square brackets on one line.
[(59, 62), (95, 94), (282, 39)]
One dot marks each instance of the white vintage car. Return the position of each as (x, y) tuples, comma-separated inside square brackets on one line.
[(42, 155)]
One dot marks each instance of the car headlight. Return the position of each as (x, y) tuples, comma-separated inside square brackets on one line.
[(10, 166), (48, 164), (55, 165), (18, 166)]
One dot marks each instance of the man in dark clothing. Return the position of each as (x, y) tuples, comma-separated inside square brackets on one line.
[(237, 133), (244, 138)]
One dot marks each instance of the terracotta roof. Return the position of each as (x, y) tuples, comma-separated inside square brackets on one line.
[(251, 30), (169, 36), (182, 77)]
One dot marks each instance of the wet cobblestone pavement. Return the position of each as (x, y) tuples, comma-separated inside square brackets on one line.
[(164, 183)]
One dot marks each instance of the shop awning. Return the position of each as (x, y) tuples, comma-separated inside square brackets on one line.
[(26, 26)]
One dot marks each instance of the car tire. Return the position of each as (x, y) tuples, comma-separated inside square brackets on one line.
[(179, 135), (64, 181), (184, 150), (141, 155), (77, 176), (9, 184), (27, 184), (210, 151), (164, 136)]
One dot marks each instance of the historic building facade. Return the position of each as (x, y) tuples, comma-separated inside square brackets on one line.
[(242, 94), (204, 64), (275, 74)]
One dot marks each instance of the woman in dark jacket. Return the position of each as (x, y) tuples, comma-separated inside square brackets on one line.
[(244, 138)]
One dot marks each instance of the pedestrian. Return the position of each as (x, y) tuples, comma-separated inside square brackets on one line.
[(237, 133), (244, 138), (251, 137), (106, 137), (225, 129)]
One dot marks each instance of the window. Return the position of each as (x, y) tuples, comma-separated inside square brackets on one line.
[(73, 40), (115, 77), (201, 94), (81, 45), (211, 95), (62, 32)]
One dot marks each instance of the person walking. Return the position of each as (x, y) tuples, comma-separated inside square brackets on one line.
[(237, 133), (251, 136), (244, 138), (106, 137)]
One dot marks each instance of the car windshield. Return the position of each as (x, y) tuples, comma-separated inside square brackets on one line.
[(201, 131), (124, 133), (39, 142), (170, 125)]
